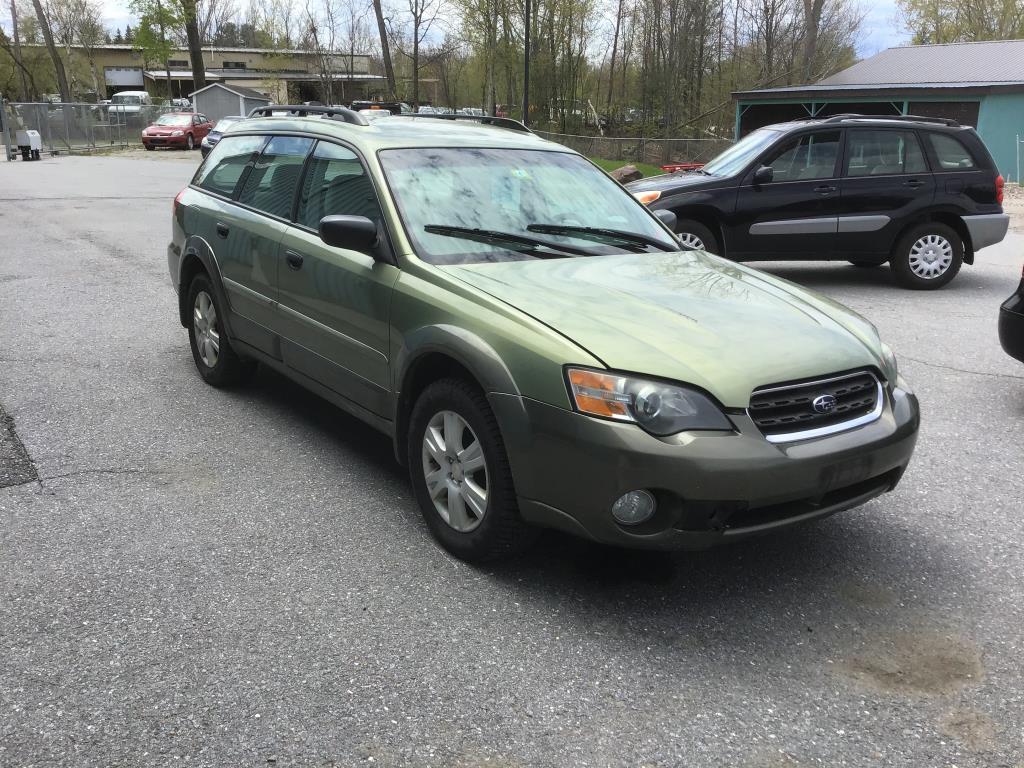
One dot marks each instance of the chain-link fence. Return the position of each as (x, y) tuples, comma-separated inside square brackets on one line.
[(641, 150), (66, 127)]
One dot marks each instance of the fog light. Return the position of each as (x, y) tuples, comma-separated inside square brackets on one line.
[(634, 507)]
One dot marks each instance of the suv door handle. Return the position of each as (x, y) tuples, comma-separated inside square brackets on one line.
[(913, 183), (825, 189), (294, 259), (222, 229)]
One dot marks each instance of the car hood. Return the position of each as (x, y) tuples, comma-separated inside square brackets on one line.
[(687, 316), (670, 183)]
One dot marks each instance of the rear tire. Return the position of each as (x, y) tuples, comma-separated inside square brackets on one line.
[(460, 474), (928, 256), (214, 357), (694, 235)]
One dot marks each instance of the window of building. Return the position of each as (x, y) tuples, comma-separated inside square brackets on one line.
[(177, 64), (234, 65)]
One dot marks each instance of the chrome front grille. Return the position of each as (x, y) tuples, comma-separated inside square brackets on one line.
[(806, 409)]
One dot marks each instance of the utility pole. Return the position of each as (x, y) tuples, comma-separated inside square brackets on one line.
[(25, 96), (526, 69)]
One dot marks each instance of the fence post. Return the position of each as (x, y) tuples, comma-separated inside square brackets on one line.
[(4, 130)]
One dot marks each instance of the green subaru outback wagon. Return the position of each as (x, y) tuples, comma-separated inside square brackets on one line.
[(538, 344)]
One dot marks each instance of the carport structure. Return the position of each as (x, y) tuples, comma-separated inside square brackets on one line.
[(976, 84)]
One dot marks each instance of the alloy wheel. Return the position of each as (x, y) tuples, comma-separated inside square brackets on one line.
[(204, 324), (690, 240), (931, 256), (455, 471)]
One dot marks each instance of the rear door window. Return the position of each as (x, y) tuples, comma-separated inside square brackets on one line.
[(951, 153), (811, 156), (270, 186), (883, 153), (223, 168), (335, 183)]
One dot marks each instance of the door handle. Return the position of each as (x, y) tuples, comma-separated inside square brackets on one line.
[(913, 183), (222, 229), (294, 259), (825, 189)]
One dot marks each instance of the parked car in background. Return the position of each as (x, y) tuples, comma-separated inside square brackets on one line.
[(394, 107), (922, 194), (178, 130), (537, 343), (131, 108), (211, 139), (1011, 323), (374, 114)]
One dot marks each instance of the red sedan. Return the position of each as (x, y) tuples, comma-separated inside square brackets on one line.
[(183, 130)]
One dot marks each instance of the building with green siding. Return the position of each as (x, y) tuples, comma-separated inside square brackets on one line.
[(977, 84)]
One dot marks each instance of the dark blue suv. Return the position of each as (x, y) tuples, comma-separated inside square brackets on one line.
[(920, 193)]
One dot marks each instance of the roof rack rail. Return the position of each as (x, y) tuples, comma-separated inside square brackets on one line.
[(949, 122), (497, 122), (344, 114)]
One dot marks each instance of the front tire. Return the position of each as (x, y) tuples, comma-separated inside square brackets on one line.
[(460, 474), (190, 143), (928, 256), (214, 357), (695, 236)]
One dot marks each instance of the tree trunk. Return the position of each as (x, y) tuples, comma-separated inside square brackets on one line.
[(385, 49), (416, 59), (58, 65), (17, 51), (812, 20), (195, 44)]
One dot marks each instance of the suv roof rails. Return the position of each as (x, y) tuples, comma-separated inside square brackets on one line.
[(948, 122), (497, 122), (344, 114)]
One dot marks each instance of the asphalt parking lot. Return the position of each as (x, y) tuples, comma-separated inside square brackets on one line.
[(191, 576)]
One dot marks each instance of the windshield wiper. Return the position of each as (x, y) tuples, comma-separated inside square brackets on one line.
[(492, 236), (601, 235)]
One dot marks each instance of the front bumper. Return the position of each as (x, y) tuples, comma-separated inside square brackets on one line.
[(711, 488), (1011, 324), (164, 141), (987, 229)]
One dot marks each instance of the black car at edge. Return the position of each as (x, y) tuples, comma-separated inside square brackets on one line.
[(1011, 323), (920, 193)]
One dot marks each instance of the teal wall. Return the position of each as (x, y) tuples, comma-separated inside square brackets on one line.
[(1000, 121)]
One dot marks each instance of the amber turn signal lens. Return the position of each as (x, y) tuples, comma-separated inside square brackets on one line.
[(599, 394), (647, 197)]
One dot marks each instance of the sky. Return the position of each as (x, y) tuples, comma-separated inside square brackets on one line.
[(881, 28)]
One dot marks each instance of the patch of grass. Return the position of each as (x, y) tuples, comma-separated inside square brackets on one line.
[(644, 168)]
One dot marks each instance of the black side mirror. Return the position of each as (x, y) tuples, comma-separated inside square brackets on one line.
[(764, 174), (667, 218), (356, 233)]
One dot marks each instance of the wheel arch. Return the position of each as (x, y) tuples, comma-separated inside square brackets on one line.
[(952, 220), (198, 258), (441, 351), (706, 215)]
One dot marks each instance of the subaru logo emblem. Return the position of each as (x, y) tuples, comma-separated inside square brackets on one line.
[(824, 403)]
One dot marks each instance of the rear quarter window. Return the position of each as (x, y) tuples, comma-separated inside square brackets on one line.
[(223, 168), (951, 153)]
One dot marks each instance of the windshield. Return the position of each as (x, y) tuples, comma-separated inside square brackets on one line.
[(224, 123), (508, 191), (174, 120), (121, 98), (736, 157)]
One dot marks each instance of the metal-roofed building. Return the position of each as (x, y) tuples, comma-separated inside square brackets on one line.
[(976, 84)]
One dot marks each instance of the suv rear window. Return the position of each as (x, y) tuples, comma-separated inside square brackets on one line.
[(223, 168), (882, 153), (951, 152)]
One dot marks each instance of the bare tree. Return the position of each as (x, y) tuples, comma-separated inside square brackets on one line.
[(51, 48), (385, 47)]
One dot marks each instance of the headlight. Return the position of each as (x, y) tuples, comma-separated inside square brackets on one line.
[(178, 133), (889, 361), (657, 407)]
